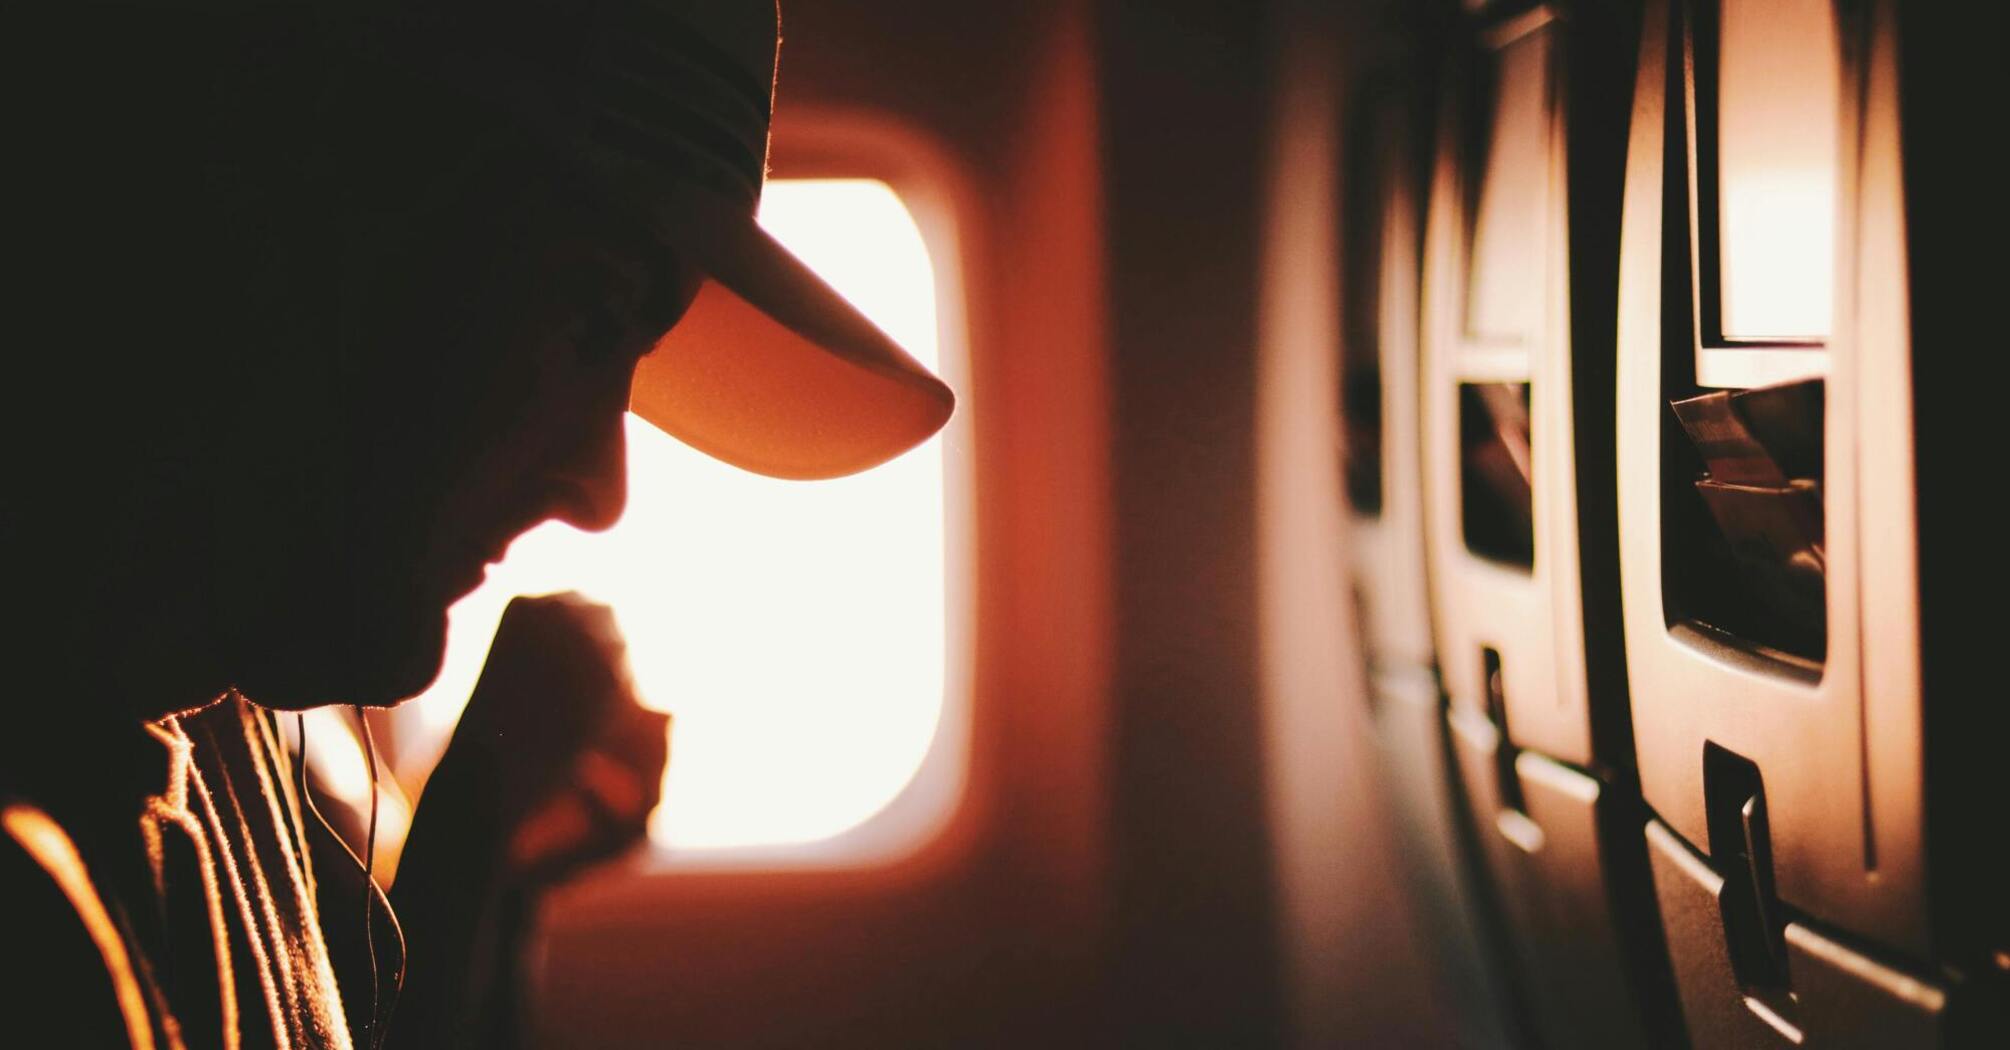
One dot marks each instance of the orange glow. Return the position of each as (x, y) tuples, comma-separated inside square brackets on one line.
[(1510, 220), (795, 629), (340, 768), (1777, 106)]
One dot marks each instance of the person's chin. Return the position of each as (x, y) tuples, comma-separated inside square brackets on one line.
[(384, 662), (400, 664)]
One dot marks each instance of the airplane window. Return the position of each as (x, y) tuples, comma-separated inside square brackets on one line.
[(1496, 472), (795, 630), (1776, 129), (1505, 301)]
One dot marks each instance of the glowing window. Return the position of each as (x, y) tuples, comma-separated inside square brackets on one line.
[(1504, 301), (1777, 102), (794, 629)]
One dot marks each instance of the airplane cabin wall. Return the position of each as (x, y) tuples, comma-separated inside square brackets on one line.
[(1214, 798)]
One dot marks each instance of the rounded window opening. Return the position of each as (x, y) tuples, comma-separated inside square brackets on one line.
[(794, 630)]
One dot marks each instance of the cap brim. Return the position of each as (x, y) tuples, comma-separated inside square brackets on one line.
[(771, 370)]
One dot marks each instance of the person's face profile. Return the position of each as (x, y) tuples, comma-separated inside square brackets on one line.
[(483, 382)]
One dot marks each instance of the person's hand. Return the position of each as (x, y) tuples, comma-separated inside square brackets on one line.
[(554, 765), (555, 760)]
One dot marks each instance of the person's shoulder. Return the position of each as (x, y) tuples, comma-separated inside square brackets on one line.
[(68, 968), (42, 878)]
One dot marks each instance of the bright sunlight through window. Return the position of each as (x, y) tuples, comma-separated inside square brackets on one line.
[(794, 629), (1777, 130)]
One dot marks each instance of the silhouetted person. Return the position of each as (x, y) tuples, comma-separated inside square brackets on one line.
[(318, 306)]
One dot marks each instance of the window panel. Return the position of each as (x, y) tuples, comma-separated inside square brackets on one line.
[(1777, 99), (795, 630)]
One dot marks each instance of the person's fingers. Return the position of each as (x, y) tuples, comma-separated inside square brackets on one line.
[(554, 642), (555, 681), (552, 830), (639, 739), (601, 811), (571, 831), (618, 791)]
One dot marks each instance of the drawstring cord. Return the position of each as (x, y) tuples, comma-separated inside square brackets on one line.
[(367, 865)]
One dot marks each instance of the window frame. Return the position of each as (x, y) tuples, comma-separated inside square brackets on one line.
[(855, 145), (1722, 361)]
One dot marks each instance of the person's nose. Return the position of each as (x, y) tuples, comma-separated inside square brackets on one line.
[(592, 481)]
